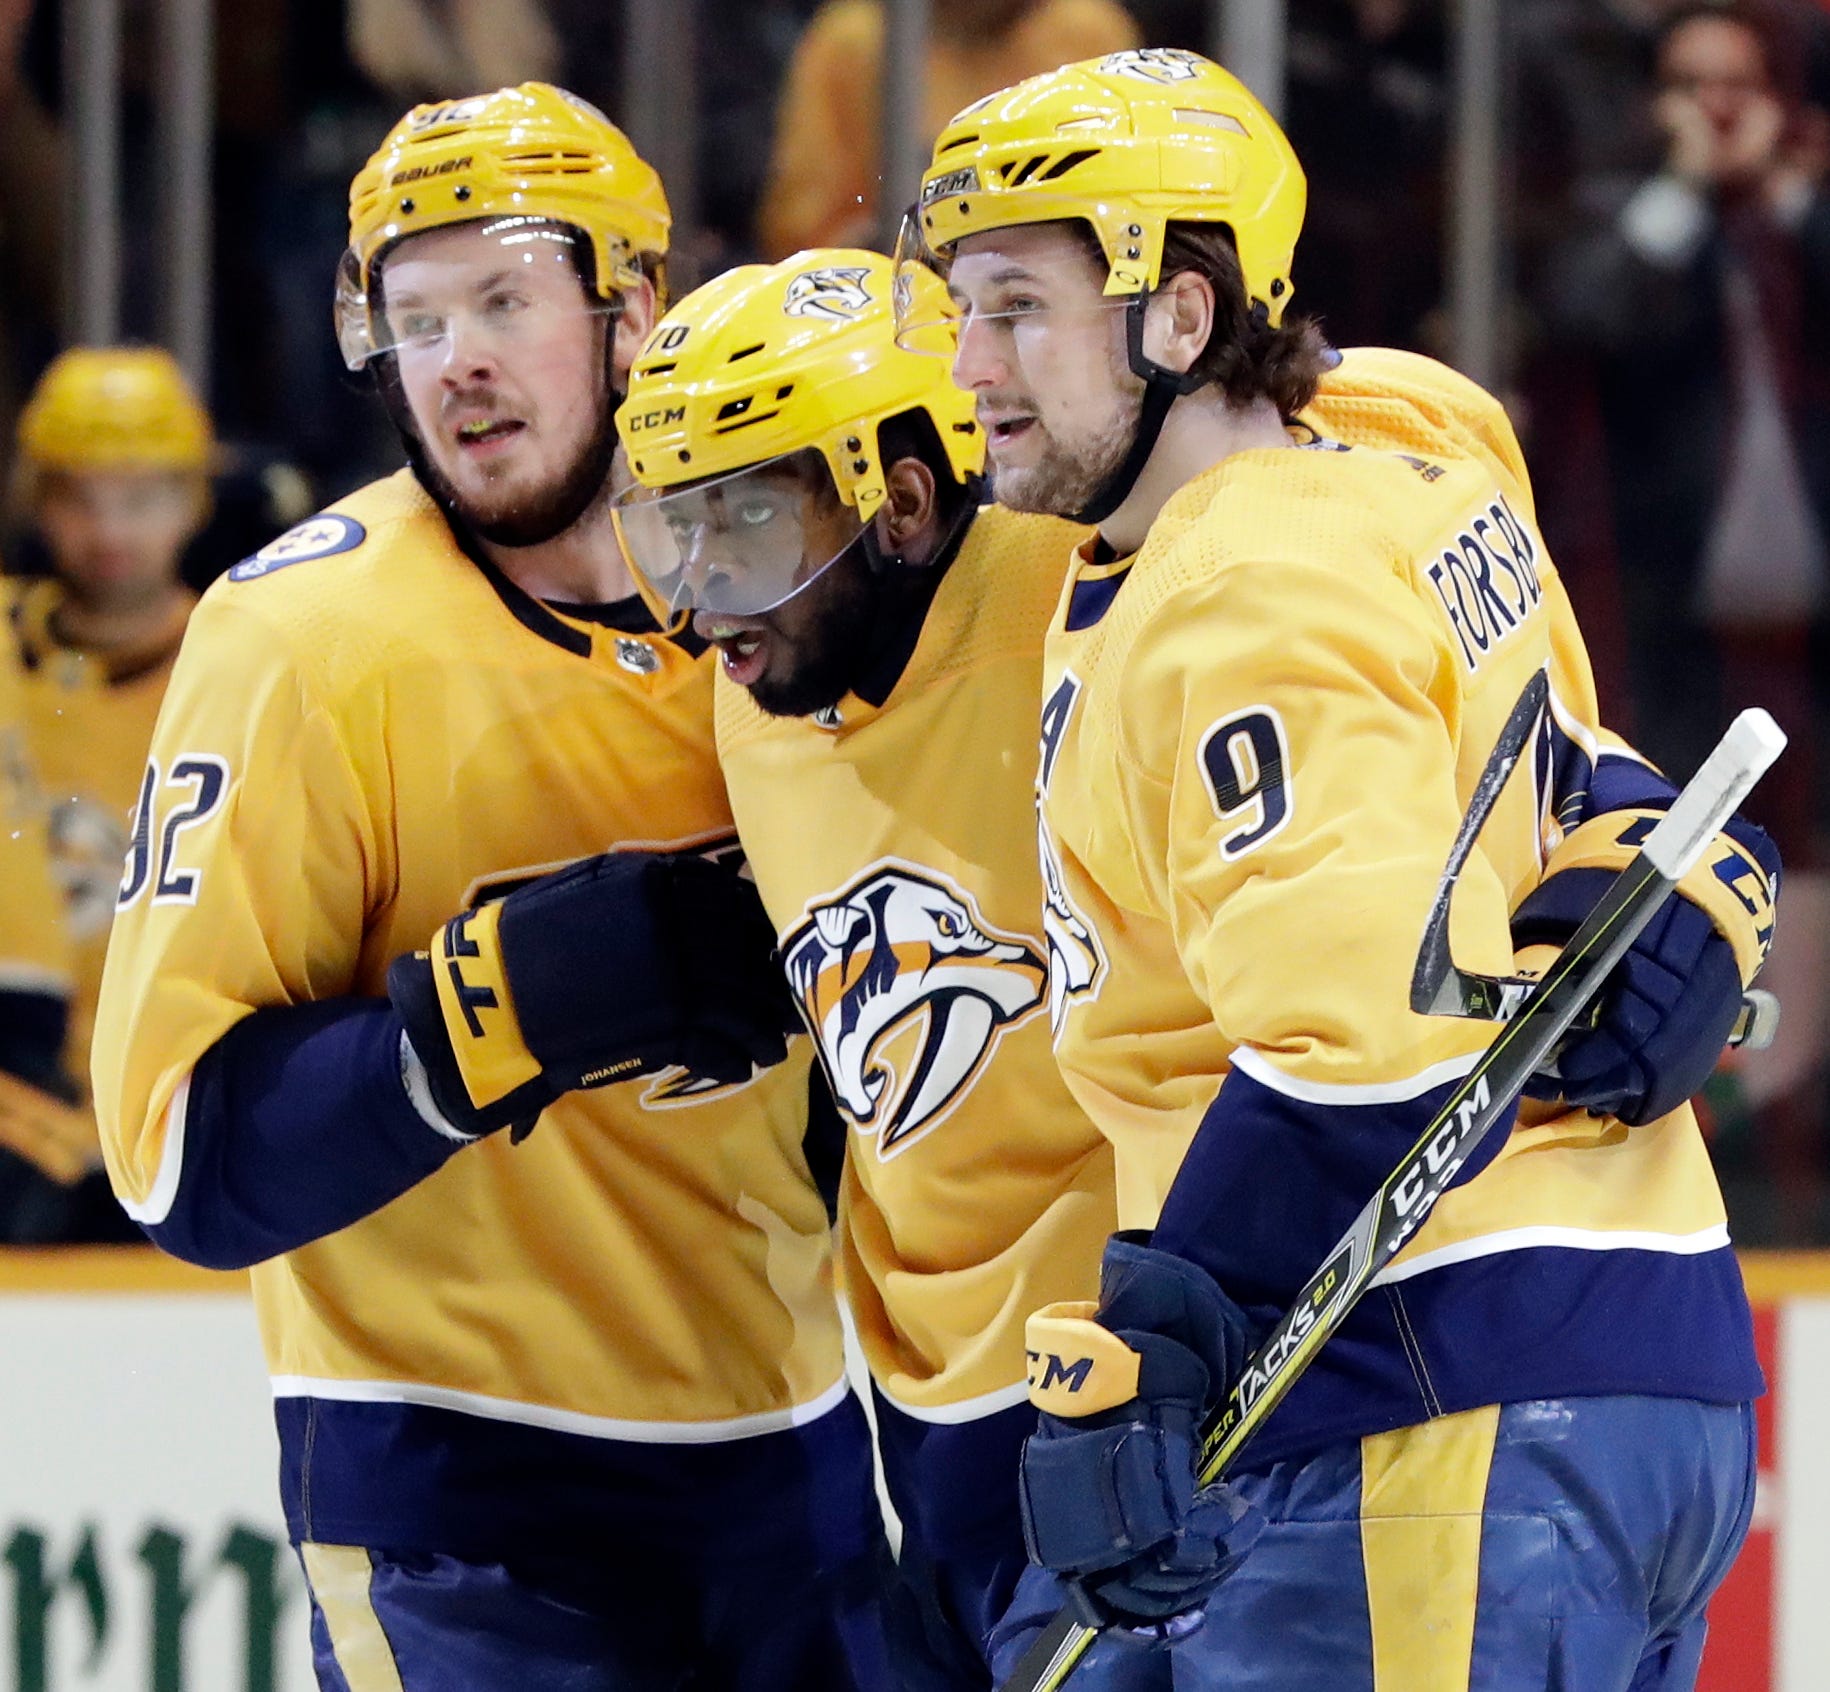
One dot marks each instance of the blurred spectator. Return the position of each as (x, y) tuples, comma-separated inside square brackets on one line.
[(45, 1146), (114, 460), (417, 50), (1699, 292), (31, 217), (1365, 107), (823, 176)]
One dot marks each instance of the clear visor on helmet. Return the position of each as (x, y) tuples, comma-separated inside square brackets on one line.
[(1009, 301), (482, 286), (740, 544)]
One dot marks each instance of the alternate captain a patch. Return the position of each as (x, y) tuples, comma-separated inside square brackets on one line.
[(317, 537), (907, 991)]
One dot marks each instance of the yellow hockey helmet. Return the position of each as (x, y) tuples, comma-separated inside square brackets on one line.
[(115, 408), (759, 365), (528, 152), (1126, 144)]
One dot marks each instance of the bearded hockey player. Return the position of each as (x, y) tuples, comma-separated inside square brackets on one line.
[(569, 1412), (1271, 683), (810, 492)]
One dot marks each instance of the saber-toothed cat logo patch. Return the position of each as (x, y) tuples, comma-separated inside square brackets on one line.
[(1153, 64), (908, 990), (834, 291)]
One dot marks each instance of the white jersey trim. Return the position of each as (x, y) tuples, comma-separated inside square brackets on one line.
[(966, 1410), (563, 1421), (1567, 1239), (1249, 1061), (157, 1205)]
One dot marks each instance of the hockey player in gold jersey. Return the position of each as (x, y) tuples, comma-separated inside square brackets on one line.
[(114, 464), (45, 1144), (570, 1411), (1270, 686), (811, 494)]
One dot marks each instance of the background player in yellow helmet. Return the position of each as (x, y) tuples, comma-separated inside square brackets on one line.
[(113, 473), (568, 1412), (1271, 684), (810, 493)]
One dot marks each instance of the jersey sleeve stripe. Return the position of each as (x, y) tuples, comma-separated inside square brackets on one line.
[(562, 1421), (1570, 1239), (1248, 1060), (157, 1205)]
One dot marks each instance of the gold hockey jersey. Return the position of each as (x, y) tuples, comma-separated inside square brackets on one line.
[(34, 946), (894, 847), (1259, 737), (366, 731), (90, 719)]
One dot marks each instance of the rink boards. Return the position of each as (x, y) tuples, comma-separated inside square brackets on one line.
[(141, 1547)]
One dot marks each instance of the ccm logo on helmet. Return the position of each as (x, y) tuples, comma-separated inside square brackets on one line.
[(656, 419), (954, 182)]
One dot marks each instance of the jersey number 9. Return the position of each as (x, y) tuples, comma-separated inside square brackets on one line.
[(1245, 763)]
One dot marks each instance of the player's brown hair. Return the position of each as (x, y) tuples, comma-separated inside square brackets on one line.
[(1245, 357)]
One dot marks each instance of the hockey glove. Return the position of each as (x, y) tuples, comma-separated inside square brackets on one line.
[(1108, 1487), (621, 965), (1666, 1014)]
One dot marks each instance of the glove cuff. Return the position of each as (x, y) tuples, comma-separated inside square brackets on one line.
[(1142, 1476), (1729, 884)]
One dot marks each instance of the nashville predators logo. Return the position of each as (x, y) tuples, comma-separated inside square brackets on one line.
[(835, 292), (1154, 64), (907, 991), (1076, 965)]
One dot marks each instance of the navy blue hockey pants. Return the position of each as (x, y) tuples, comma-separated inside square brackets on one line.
[(1562, 1545)]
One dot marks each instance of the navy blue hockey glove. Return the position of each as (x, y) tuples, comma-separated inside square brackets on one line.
[(1108, 1486), (1664, 1017), (618, 966)]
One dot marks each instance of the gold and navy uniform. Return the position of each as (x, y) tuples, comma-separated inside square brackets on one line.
[(894, 846), (89, 718), (572, 1340), (34, 946), (1259, 737)]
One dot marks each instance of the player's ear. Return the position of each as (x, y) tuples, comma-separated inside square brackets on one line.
[(1180, 320), (633, 323), (908, 515)]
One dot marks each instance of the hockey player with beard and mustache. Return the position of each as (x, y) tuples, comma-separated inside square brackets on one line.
[(810, 493), (568, 1412), (1271, 686)]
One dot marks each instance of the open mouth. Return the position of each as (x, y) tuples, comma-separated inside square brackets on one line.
[(1007, 429), (742, 650), (486, 431)]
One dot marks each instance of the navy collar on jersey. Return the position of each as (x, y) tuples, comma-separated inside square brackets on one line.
[(626, 616)]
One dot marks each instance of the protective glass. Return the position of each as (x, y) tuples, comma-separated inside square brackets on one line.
[(931, 320), (738, 545), (507, 285)]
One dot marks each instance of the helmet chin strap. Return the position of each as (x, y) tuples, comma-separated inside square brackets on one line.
[(1162, 388)]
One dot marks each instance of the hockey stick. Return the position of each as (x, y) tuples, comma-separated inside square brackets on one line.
[(1483, 1099), (1439, 986)]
